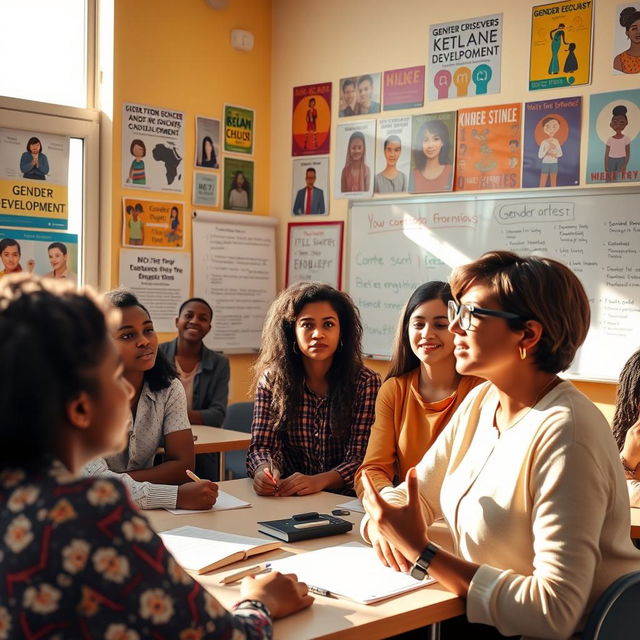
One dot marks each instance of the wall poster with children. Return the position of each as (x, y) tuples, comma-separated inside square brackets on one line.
[(152, 148), (152, 223), (311, 122)]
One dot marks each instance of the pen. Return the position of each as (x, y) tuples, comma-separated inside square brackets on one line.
[(250, 571), (318, 591), (192, 475)]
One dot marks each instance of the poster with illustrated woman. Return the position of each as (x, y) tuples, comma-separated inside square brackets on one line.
[(355, 148)]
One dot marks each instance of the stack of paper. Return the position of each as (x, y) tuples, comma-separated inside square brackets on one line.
[(224, 502)]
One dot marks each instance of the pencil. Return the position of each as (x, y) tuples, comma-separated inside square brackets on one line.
[(192, 475), (250, 571)]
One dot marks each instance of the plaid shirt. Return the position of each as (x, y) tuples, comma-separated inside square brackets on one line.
[(309, 446)]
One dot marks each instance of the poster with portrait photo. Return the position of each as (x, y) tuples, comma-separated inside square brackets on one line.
[(354, 163), (311, 120), (207, 143), (551, 149), (614, 144), (432, 152), (238, 185), (310, 186), (360, 95), (626, 38), (393, 155)]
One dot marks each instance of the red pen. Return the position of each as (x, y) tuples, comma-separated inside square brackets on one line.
[(270, 476)]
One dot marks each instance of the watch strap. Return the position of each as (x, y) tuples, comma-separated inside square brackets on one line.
[(421, 565)]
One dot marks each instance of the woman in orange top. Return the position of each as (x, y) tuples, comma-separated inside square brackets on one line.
[(421, 392)]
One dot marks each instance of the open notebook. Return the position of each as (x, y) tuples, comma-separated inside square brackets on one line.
[(203, 550)]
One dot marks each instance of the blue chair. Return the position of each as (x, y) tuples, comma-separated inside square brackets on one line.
[(616, 614), (239, 418)]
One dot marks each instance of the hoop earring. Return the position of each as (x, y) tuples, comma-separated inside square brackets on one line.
[(523, 353), (295, 348)]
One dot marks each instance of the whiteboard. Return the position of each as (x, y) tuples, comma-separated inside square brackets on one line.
[(395, 245), (234, 270)]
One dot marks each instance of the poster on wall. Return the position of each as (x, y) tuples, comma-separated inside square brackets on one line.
[(489, 148), (45, 253), (207, 143), (434, 142), (393, 155), (34, 171), (614, 145), (626, 38), (311, 120), (152, 223), (560, 53), (360, 95), (310, 186), (355, 149), (238, 185), (159, 279), (152, 148), (551, 150), (465, 57), (403, 88), (205, 189), (239, 129)]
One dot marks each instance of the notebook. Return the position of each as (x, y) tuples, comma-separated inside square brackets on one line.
[(304, 526), (350, 571), (224, 502), (202, 550)]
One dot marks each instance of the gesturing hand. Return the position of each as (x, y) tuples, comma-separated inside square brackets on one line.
[(300, 484)]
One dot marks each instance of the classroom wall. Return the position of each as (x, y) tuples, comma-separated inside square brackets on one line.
[(343, 39), (178, 55)]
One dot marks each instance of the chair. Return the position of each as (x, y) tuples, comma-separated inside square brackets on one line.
[(616, 614), (239, 417)]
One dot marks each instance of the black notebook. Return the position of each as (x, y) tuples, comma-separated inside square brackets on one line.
[(304, 526)]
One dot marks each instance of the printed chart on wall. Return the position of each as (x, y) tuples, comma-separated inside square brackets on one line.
[(396, 245), (234, 260)]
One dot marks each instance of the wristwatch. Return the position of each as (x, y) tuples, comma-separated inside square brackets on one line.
[(421, 565)]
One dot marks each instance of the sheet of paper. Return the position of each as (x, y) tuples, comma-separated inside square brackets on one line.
[(352, 505), (224, 502), (360, 577)]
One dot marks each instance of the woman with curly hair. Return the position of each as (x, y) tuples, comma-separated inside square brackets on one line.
[(315, 400)]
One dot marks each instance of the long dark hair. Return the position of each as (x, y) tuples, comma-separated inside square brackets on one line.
[(52, 340), (627, 399), (403, 359), (436, 128), (213, 150), (283, 365), (163, 372)]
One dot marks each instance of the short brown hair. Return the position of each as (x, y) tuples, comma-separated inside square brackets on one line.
[(539, 289)]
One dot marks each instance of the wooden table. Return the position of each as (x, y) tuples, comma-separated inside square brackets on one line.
[(328, 618), (635, 523), (218, 440)]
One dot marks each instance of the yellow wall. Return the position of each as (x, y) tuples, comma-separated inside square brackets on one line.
[(178, 55)]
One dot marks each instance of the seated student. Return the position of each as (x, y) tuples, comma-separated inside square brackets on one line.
[(526, 473), (78, 559), (158, 418), (315, 400), (626, 425), (421, 392)]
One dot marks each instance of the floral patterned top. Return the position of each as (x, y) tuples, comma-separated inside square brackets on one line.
[(78, 560)]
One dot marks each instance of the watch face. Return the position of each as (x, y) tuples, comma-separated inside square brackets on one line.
[(417, 572)]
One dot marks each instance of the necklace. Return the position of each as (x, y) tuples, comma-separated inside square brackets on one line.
[(547, 387)]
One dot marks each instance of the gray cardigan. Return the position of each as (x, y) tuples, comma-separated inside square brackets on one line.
[(211, 385)]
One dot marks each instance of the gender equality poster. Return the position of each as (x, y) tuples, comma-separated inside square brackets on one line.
[(464, 57), (311, 122), (34, 170), (239, 129), (489, 148), (626, 38), (551, 153), (560, 45), (152, 223), (152, 148), (403, 88)]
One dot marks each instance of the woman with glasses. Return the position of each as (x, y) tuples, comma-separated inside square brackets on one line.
[(526, 473)]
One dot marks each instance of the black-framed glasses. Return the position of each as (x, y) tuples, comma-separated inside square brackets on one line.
[(465, 312)]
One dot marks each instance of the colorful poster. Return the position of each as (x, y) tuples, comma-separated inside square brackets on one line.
[(239, 129), (393, 155), (207, 143), (403, 88), (626, 38), (152, 223), (360, 95), (152, 148), (465, 57), (310, 193), (614, 144), (488, 148), (355, 142), (45, 253), (311, 121), (551, 150), (205, 189), (238, 184), (34, 170), (560, 45)]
